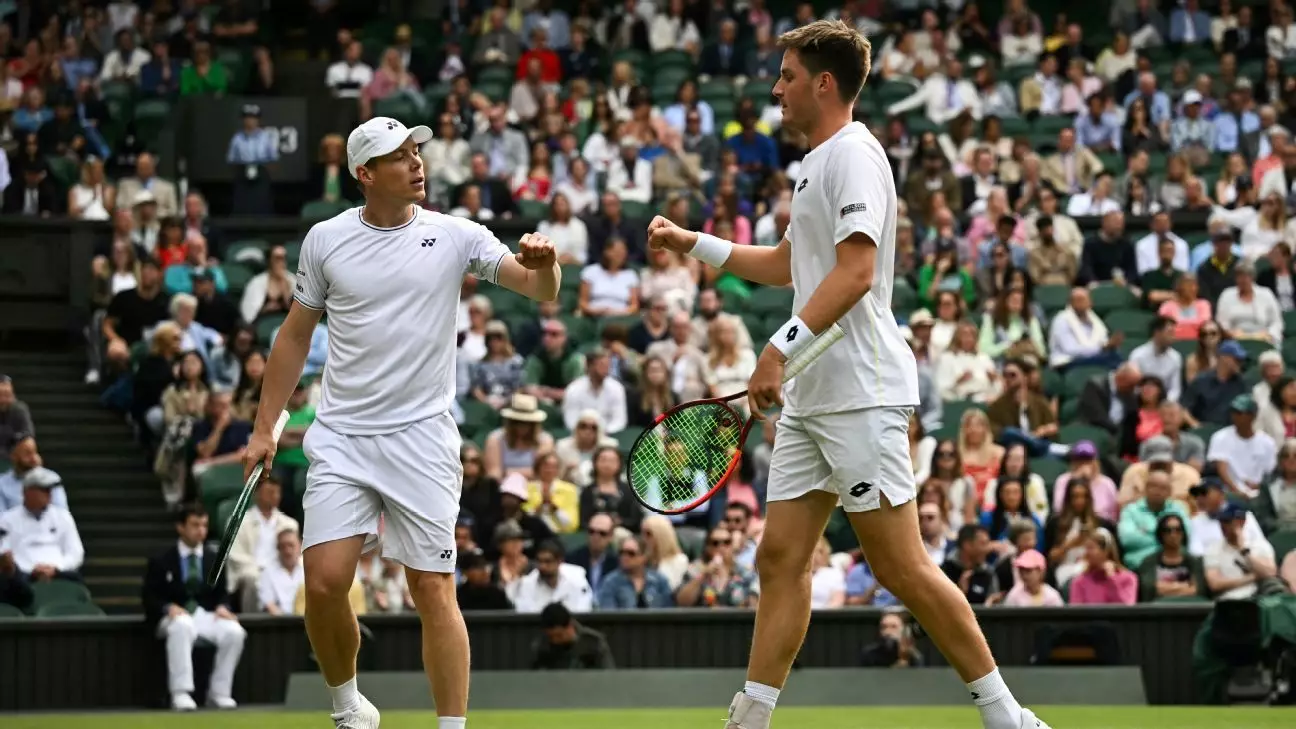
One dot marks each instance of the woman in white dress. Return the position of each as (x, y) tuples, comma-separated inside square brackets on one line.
[(962, 372), (93, 196)]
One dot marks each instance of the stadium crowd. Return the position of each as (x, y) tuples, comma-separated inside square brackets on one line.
[(1094, 268)]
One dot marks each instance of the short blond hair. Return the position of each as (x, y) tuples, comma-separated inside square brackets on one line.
[(836, 48)]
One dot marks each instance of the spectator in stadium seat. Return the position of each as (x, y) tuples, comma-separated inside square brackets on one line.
[(608, 288), (1140, 520), (1010, 328), (568, 645), (962, 372), (1275, 505), (477, 592), (551, 368), (1189, 25), (728, 363), (1049, 263), (552, 581), (1108, 255), (1084, 464), (1170, 571), (161, 76), (513, 447), (967, 566), (283, 577), (185, 609), (446, 158), (757, 153), (63, 135), (145, 178), (24, 459), (1020, 415), (554, 500), (219, 437), (504, 149), (1078, 336), (493, 192), (1104, 581), (124, 61), (33, 193), (723, 57), (15, 416), (15, 590), (1179, 452), (1209, 395), (268, 292), (597, 557), (596, 390), (1031, 590), (1240, 565), (215, 310), (498, 44), (257, 545), (1204, 531), (1104, 402), (93, 195), (41, 534), (716, 579), (1249, 312), (348, 77), (664, 553), (683, 358), (654, 323), (1240, 455), (576, 452), (1072, 168), (634, 585)]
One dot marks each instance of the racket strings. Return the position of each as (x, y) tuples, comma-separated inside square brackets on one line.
[(685, 455)]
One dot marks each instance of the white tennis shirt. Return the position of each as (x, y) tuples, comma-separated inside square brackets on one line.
[(391, 295), (846, 187)]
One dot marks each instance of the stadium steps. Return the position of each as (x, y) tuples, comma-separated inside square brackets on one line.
[(114, 496)]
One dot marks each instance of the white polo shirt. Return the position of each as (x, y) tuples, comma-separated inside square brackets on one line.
[(1230, 563), (278, 586), (50, 538), (846, 187), (532, 594), (391, 295), (1249, 459)]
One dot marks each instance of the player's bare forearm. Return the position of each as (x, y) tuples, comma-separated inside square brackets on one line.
[(762, 264), (284, 368), (540, 284), (844, 285)]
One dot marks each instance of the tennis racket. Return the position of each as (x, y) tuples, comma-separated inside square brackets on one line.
[(690, 450), (241, 507)]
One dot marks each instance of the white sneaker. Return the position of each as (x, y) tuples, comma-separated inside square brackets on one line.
[(181, 701), (363, 717), (224, 703), (748, 713), (1030, 721), (92, 377)]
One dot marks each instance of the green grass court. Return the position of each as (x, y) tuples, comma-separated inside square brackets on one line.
[(862, 717)]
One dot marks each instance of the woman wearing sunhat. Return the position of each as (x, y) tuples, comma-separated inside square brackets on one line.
[(512, 448)]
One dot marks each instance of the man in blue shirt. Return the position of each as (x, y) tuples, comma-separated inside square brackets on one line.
[(1233, 121), (1155, 101), (1096, 129), (757, 154), (220, 437), (25, 459), (251, 150)]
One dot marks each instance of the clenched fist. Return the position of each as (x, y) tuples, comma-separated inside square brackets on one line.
[(535, 251), (662, 233)]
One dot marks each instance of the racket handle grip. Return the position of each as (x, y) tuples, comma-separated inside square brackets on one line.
[(279, 425), (821, 343)]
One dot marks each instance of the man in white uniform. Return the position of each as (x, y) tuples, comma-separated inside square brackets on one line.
[(843, 432), (384, 443)]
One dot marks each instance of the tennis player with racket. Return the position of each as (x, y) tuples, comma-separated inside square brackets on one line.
[(384, 443), (843, 432)]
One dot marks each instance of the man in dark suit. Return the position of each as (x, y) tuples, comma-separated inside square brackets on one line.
[(1098, 404), (722, 58), (1244, 41), (178, 600), (609, 223), (596, 557), (495, 194), (33, 193)]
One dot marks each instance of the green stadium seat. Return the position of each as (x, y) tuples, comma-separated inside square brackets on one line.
[(629, 321), (952, 410), (238, 276), (495, 74), (151, 116), (1289, 350), (224, 510), (574, 541), (1052, 381), (723, 107), (1076, 378), (435, 95), (947, 431), (1185, 347), (1052, 298), (714, 89), (401, 108), (266, 326), (553, 414), (670, 77), (1110, 297), (1073, 433), (1283, 541), (579, 328), (634, 57), (636, 210), (904, 300), (1131, 322), (317, 210), (1131, 343), (70, 610), (758, 91), (672, 59), (1048, 469), (1069, 411), (219, 482), (496, 92), (626, 438), (771, 300), (8, 611), (57, 591), (533, 209), (479, 416), (1254, 348), (663, 94), (299, 481), (1050, 125), (66, 171), (1206, 430)]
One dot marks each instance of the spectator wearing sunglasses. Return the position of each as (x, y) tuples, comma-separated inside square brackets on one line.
[(716, 580), (597, 557), (634, 585), (1170, 571)]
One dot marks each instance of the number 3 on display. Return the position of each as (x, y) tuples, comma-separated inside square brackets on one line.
[(287, 138)]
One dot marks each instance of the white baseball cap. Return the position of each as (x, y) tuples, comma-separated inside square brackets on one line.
[(378, 136)]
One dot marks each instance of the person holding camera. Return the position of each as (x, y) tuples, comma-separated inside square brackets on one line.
[(895, 646)]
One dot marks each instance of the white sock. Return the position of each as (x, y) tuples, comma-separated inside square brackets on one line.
[(999, 710), (451, 722), (767, 695), (345, 697)]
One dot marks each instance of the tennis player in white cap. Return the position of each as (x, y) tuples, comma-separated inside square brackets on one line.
[(384, 443)]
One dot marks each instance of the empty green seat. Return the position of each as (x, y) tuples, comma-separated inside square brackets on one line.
[(238, 276), (672, 59), (758, 91), (771, 300), (1110, 297), (479, 415), (399, 107), (626, 438), (636, 210), (1206, 430), (8, 611), (70, 610), (1052, 298), (57, 591), (670, 76), (1073, 433), (317, 210), (1048, 469), (1131, 322), (533, 209), (219, 482), (265, 329), (952, 410), (574, 541), (495, 74), (1073, 383)]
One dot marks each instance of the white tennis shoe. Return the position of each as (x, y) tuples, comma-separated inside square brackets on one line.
[(748, 713), (365, 716), (1030, 721)]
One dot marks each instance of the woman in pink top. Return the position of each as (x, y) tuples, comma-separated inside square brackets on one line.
[(1029, 590), (741, 225), (1105, 580), (1084, 462), (983, 226), (1186, 308)]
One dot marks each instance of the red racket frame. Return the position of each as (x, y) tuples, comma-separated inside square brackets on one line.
[(733, 462)]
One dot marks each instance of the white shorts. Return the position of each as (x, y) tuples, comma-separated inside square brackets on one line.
[(412, 478), (858, 455)]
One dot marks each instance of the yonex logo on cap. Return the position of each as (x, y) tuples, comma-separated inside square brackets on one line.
[(391, 125)]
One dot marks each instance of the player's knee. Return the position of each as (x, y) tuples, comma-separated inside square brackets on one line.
[(900, 579), (776, 560), (328, 584), (433, 592)]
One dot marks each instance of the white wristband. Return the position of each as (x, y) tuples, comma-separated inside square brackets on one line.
[(792, 337), (711, 250)]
